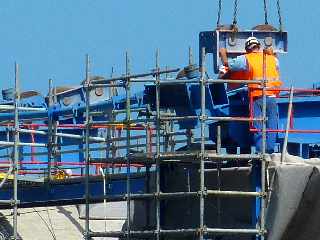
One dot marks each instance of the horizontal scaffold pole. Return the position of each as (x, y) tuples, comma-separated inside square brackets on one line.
[(175, 195), (179, 232), (3, 143), (31, 109)]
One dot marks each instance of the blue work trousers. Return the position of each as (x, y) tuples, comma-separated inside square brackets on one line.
[(272, 115)]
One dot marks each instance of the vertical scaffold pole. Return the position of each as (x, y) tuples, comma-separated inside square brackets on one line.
[(202, 155), (285, 141), (219, 173), (190, 56), (50, 128), (16, 153), (128, 119), (87, 150), (158, 144), (113, 147), (148, 166), (55, 138), (172, 138), (264, 140)]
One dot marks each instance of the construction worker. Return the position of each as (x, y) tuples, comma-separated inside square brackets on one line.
[(225, 73), (253, 66)]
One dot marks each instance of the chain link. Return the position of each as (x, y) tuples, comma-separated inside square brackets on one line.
[(279, 15), (235, 12), (265, 12), (219, 12)]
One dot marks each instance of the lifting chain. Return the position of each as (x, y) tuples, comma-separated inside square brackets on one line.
[(279, 15), (235, 13), (219, 12), (265, 12)]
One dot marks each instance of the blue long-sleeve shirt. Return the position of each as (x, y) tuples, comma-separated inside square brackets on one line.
[(240, 64)]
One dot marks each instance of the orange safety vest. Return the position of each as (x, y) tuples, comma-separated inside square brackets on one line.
[(255, 64), (239, 75)]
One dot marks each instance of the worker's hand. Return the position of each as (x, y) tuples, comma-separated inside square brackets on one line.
[(223, 70), (268, 51)]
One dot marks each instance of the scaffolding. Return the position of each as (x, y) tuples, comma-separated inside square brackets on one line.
[(120, 147), (13, 165), (167, 155), (158, 125), (160, 141)]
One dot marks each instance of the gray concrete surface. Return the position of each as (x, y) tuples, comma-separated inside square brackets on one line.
[(60, 223)]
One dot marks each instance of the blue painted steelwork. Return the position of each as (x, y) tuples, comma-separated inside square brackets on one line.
[(234, 42), (69, 191), (8, 94), (218, 103)]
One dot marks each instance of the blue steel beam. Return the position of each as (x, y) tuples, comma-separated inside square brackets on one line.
[(69, 191), (57, 111)]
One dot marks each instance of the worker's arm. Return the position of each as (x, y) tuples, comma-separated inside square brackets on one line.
[(224, 56), (238, 64), (278, 83), (235, 64), (269, 51), (278, 66)]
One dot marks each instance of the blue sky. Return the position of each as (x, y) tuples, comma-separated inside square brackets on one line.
[(49, 38)]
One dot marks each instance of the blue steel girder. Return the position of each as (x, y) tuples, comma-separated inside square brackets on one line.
[(234, 42), (70, 191)]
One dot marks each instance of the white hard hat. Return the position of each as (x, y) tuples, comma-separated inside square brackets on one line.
[(251, 42)]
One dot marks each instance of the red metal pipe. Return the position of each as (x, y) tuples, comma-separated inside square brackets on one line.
[(283, 130), (296, 90), (75, 164)]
